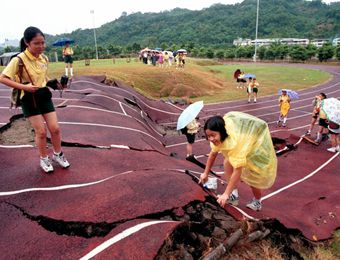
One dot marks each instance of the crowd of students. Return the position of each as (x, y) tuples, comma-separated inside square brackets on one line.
[(163, 59)]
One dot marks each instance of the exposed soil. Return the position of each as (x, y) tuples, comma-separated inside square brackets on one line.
[(18, 131)]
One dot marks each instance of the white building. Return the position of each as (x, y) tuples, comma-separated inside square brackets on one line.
[(241, 42), (294, 41), (336, 42), (319, 42)]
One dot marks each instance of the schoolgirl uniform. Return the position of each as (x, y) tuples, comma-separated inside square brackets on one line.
[(39, 102)]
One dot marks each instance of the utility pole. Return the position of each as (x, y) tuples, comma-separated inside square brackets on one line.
[(94, 33), (257, 25)]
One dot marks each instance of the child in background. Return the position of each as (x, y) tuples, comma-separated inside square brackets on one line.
[(190, 132), (334, 130), (316, 110), (323, 123), (284, 103)]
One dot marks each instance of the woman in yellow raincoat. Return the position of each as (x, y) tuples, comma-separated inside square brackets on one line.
[(284, 103), (248, 151)]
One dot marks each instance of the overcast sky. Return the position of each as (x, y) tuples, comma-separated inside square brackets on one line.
[(65, 16)]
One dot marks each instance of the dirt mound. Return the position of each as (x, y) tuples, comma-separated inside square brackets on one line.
[(18, 131)]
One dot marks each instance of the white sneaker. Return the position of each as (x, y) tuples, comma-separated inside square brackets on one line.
[(332, 149), (46, 165), (255, 205), (233, 200), (61, 160)]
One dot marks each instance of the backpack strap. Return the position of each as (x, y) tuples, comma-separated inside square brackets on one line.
[(21, 68)]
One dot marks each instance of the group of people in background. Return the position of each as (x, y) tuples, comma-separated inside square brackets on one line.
[(163, 59)]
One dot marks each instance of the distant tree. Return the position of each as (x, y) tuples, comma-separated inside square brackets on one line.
[(164, 46), (209, 53), (270, 53), (326, 52), (337, 52), (261, 52), (241, 52), (220, 54), (136, 47), (298, 53), (114, 50), (281, 51), (230, 53), (194, 52), (311, 50), (8, 49)]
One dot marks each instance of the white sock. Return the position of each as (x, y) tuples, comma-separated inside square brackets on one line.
[(318, 135), (71, 71), (235, 192), (284, 120), (66, 71), (44, 157), (255, 99)]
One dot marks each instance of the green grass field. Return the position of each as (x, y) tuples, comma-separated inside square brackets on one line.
[(200, 80)]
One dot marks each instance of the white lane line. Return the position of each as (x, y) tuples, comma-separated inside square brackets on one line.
[(302, 179), (120, 104), (149, 125), (185, 143), (63, 187), (108, 97), (97, 109), (133, 94), (114, 112), (16, 146), (127, 232), (111, 126)]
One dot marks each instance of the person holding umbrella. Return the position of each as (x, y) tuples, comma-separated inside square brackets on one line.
[(36, 99), (188, 125), (284, 103), (67, 55), (331, 108), (249, 155)]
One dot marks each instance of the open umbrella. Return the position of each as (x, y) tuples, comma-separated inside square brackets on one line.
[(248, 75), (63, 41), (331, 107), (291, 93), (182, 51), (189, 114)]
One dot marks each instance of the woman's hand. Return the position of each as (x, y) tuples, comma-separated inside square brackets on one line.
[(203, 178), (30, 88), (222, 199)]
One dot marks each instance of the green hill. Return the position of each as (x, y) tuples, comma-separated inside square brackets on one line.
[(218, 25)]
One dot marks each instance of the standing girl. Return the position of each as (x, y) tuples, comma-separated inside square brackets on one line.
[(36, 99), (284, 103), (67, 54)]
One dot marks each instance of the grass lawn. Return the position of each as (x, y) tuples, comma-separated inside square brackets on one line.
[(200, 80)]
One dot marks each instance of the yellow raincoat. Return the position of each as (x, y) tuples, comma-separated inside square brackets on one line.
[(249, 145), (284, 104)]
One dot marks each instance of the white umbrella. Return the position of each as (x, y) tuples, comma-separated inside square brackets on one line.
[(189, 114), (331, 107)]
